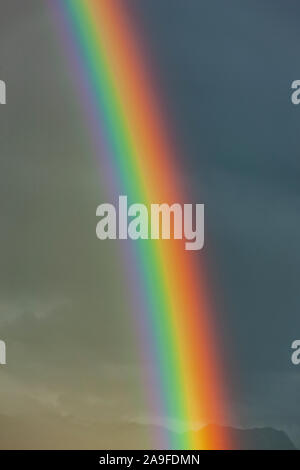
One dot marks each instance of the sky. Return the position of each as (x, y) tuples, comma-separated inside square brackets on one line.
[(224, 70)]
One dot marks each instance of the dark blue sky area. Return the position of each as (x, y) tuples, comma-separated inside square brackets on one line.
[(226, 70)]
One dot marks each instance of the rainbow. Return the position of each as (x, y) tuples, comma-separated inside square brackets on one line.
[(172, 298)]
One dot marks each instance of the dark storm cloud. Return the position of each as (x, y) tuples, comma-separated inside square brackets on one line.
[(226, 70)]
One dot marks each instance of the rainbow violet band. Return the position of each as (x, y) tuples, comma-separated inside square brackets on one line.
[(122, 111)]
